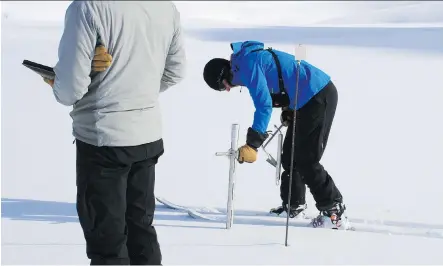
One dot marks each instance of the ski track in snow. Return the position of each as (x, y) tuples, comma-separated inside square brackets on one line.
[(217, 215)]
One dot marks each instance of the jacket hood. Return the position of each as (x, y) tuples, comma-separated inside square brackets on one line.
[(245, 47), (239, 50)]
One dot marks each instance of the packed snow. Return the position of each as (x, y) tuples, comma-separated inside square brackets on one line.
[(384, 151)]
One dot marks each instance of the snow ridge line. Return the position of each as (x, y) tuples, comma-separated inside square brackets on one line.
[(370, 226)]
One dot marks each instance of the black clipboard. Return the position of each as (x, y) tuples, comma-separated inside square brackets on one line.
[(42, 70)]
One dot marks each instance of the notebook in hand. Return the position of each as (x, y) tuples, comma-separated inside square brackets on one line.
[(42, 70)]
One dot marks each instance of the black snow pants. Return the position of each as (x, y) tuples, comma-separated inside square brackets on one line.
[(116, 203), (313, 124)]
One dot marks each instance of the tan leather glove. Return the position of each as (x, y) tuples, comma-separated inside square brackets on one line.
[(49, 81), (247, 154), (102, 60)]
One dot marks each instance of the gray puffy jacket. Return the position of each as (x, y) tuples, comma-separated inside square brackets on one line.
[(119, 107)]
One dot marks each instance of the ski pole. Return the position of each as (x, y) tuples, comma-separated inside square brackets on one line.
[(299, 56)]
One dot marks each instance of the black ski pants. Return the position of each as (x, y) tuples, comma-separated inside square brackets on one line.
[(116, 203), (313, 124)]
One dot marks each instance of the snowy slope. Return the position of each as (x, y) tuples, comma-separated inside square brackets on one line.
[(267, 13), (312, 13), (384, 150)]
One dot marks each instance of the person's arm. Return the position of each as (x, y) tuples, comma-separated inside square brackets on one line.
[(175, 65), (258, 89), (75, 52)]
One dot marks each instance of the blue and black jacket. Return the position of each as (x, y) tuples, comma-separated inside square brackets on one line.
[(255, 68)]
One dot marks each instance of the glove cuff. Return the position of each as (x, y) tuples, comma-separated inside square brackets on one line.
[(255, 139)]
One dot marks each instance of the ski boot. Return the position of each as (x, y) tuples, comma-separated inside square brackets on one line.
[(333, 218), (294, 210)]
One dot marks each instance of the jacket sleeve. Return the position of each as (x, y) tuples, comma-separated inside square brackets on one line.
[(75, 52), (175, 65), (258, 89)]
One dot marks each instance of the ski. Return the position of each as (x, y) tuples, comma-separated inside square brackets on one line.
[(196, 213), (201, 210), (170, 204), (207, 213)]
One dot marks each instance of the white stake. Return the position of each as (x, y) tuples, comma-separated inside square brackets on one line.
[(300, 52), (232, 154)]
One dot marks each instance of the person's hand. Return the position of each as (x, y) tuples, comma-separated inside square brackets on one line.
[(102, 60), (49, 81), (286, 117), (247, 154)]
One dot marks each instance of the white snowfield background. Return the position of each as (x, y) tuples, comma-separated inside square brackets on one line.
[(384, 150)]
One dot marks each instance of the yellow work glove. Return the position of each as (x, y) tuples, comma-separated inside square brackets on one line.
[(102, 60), (247, 154), (49, 81)]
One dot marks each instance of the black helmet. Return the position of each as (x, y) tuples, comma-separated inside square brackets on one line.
[(215, 71)]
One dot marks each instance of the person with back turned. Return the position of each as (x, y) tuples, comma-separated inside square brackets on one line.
[(115, 58)]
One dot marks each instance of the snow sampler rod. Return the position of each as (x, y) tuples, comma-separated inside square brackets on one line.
[(272, 136), (270, 159), (232, 154), (279, 153)]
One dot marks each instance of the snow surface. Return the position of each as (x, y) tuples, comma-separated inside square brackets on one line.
[(384, 152)]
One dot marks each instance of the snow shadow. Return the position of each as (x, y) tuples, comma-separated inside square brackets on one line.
[(57, 212), (39, 210), (423, 39), (65, 212)]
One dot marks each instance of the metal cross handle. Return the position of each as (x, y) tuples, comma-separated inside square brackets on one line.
[(228, 153)]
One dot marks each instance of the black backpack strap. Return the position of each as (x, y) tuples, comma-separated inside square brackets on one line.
[(280, 99), (281, 84)]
